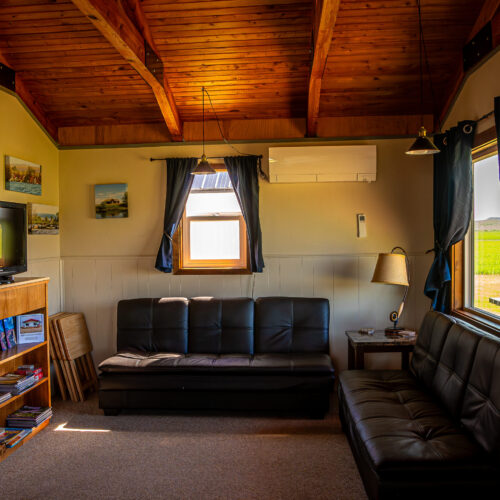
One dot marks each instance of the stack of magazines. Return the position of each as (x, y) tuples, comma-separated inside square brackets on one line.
[(29, 416), (15, 383), (11, 437)]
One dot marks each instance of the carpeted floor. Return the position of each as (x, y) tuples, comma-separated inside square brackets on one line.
[(175, 456)]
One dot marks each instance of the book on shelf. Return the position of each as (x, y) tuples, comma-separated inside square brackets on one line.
[(10, 333), (10, 437), (5, 396), (15, 383), (30, 328), (3, 338), (29, 416)]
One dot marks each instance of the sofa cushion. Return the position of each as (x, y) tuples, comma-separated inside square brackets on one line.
[(481, 408), (221, 325), (287, 325), (430, 341), (141, 362), (153, 324), (401, 429), (453, 367)]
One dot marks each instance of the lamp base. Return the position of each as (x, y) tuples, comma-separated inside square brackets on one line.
[(391, 331)]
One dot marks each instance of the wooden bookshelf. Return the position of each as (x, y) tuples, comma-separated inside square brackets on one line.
[(24, 296)]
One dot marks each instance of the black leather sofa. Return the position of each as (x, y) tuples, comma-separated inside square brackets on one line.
[(433, 431), (207, 353)]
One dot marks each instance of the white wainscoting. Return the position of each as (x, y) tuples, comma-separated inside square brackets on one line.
[(49, 267), (94, 285)]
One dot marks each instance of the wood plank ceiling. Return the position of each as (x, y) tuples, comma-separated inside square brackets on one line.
[(254, 57)]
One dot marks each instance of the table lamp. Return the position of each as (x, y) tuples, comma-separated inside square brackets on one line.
[(393, 269)]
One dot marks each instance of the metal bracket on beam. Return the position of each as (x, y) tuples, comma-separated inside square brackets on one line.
[(480, 46), (7, 77), (153, 62)]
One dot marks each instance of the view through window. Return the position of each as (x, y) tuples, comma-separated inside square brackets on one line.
[(485, 244), (213, 235)]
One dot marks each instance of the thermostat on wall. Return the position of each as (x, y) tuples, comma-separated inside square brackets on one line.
[(361, 225)]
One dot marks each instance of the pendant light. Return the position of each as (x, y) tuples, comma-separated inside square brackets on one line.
[(423, 145), (203, 167)]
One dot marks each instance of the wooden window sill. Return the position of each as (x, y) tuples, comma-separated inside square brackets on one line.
[(211, 271), (478, 320)]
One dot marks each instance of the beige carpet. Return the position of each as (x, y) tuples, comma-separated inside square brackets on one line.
[(172, 456)]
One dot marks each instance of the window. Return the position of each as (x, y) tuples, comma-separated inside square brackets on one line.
[(476, 277), (212, 237)]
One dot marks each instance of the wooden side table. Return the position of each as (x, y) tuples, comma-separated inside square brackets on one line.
[(359, 343)]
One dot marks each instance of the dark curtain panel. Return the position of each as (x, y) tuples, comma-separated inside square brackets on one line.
[(243, 174), (497, 125), (179, 181), (452, 206)]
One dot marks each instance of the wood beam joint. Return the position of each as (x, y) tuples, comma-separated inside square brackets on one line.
[(111, 19), (325, 16)]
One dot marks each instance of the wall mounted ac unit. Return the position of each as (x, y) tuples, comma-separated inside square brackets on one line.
[(323, 164)]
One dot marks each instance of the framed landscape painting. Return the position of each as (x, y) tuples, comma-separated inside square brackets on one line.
[(43, 219), (23, 176), (111, 201)]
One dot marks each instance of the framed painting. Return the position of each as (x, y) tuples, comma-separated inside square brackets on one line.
[(111, 201), (23, 176), (43, 219)]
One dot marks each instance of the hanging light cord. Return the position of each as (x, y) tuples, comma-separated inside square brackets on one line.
[(423, 47), (262, 173), (203, 107)]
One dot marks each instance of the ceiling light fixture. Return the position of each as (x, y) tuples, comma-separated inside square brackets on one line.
[(203, 167), (422, 145)]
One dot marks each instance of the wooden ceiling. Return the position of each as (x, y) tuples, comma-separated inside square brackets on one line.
[(80, 63)]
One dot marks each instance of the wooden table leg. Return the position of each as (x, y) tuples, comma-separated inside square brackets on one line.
[(350, 356), (405, 360), (359, 358)]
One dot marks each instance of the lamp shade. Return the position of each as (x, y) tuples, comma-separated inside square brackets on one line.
[(423, 145), (391, 269), (203, 168)]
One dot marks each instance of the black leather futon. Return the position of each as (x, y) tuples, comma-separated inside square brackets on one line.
[(207, 353), (433, 431)]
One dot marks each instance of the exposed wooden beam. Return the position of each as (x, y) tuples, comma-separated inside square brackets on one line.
[(31, 103), (112, 21), (325, 15), (489, 12)]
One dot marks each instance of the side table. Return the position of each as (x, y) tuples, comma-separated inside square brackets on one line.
[(359, 343)]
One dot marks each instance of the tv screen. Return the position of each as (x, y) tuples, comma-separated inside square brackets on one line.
[(13, 258)]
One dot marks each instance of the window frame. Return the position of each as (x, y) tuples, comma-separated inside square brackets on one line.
[(485, 145), (182, 264)]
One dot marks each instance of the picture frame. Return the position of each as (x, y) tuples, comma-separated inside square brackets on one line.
[(23, 176), (111, 201), (43, 219)]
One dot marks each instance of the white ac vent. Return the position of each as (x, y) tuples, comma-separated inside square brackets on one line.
[(323, 164)]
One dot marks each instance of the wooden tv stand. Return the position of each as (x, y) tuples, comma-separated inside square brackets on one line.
[(25, 295)]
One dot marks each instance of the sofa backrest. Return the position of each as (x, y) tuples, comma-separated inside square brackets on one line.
[(481, 407), (221, 326), (430, 342), (454, 366), (153, 325), (285, 324), (224, 326)]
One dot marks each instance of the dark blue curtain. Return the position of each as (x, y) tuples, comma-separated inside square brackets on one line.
[(497, 125), (179, 181), (452, 206), (244, 177)]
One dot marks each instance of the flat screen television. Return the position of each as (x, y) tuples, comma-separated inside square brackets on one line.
[(13, 240)]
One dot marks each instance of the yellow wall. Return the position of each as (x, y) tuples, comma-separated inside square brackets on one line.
[(22, 137), (297, 219)]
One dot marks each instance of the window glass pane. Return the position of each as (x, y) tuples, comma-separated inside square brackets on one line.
[(210, 240), (220, 180), (486, 265), (200, 203)]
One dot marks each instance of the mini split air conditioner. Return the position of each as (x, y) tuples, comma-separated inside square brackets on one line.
[(323, 164)]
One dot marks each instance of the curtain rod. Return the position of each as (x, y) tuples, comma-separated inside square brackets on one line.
[(208, 157), (487, 115)]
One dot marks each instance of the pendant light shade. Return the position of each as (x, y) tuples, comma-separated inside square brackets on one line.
[(203, 167), (423, 145)]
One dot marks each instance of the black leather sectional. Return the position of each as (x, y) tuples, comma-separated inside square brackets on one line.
[(432, 432), (207, 353)]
